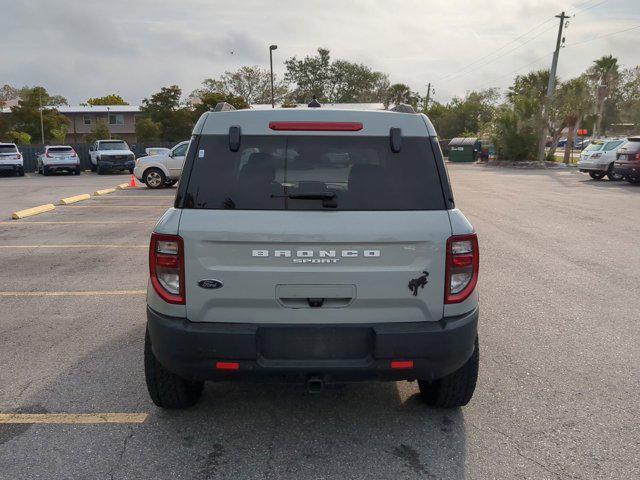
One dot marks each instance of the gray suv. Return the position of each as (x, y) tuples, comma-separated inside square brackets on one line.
[(316, 246)]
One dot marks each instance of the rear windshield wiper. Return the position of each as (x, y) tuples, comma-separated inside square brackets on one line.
[(328, 198)]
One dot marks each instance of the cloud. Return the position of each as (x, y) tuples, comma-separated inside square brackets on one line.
[(85, 48)]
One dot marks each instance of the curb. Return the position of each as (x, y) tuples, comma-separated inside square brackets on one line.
[(104, 192), (123, 186), (74, 199), (33, 211)]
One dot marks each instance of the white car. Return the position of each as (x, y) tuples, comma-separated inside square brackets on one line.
[(108, 155), (597, 159), (11, 159), (162, 170), (58, 158)]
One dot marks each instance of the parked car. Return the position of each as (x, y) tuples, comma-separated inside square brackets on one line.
[(162, 170), (597, 159), (627, 162), (110, 155), (315, 246), (58, 158), (11, 159)]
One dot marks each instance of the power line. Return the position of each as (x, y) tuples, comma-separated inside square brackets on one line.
[(475, 62), (582, 10), (593, 39)]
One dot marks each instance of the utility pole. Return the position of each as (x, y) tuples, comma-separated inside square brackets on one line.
[(550, 88), (271, 49), (426, 101), (41, 119)]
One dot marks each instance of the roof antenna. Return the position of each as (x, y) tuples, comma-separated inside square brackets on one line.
[(314, 103)]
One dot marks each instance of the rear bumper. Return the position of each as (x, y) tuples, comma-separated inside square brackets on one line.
[(62, 166), (335, 353), (626, 169), (7, 167)]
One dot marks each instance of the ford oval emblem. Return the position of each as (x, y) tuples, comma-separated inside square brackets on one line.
[(210, 283)]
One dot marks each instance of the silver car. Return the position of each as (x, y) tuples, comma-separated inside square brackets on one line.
[(598, 157), (58, 158)]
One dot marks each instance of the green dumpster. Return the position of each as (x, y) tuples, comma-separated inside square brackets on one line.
[(464, 149)]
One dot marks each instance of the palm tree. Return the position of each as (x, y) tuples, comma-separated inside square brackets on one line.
[(605, 74), (573, 99)]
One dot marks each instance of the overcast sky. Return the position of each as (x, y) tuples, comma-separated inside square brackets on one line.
[(87, 48)]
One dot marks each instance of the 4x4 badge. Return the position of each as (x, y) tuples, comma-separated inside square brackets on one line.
[(419, 282), (210, 283)]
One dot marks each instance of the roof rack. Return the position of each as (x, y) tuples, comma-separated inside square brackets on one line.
[(223, 107), (403, 108)]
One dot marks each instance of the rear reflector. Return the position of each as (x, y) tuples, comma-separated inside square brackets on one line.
[(317, 126), (401, 364), (227, 366)]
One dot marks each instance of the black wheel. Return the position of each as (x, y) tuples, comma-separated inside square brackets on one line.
[(633, 180), (154, 178), (100, 170), (131, 171), (597, 175), (456, 389), (76, 171), (168, 390), (45, 171), (613, 176), (20, 172), (93, 167), (170, 183)]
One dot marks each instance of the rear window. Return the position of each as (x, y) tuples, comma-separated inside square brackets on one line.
[(613, 145), (60, 149), (8, 149), (314, 173), (594, 147)]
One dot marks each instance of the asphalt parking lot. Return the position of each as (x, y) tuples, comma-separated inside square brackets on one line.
[(558, 389)]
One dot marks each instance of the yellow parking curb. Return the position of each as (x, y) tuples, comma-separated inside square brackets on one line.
[(104, 192), (33, 211), (74, 199), (123, 186)]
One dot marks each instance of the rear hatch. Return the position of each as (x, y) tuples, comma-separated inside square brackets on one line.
[(9, 155), (629, 152), (313, 229), (65, 155)]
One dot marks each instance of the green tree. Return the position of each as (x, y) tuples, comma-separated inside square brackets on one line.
[(400, 93), (208, 100), (7, 92), (147, 130), (252, 83), (464, 115), (630, 96), (573, 101), (604, 76), (311, 76), (99, 132), (25, 117), (166, 109), (21, 138), (111, 99), (59, 134)]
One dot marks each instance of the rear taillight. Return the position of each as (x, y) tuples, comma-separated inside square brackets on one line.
[(317, 126), (166, 267), (463, 260), (73, 153), (49, 155), (637, 156), (18, 157)]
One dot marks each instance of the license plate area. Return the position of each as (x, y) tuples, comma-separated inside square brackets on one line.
[(315, 343)]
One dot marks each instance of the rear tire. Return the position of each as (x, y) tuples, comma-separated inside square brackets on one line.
[(168, 390), (154, 178), (76, 171), (45, 171), (597, 175), (20, 172), (93, 167), (613, 176), (100, 170), (633, 180), (456, 389), (170, 183)]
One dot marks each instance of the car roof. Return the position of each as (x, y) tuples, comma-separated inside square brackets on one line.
[(7, 144), (110, 140), (256, 122), (58, 146)]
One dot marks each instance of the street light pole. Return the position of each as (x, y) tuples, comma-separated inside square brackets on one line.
[(271, 49)]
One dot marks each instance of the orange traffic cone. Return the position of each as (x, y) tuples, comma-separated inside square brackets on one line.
[(132, 183)]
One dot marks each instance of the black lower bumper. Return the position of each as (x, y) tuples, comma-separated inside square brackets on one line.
[(11, 168), (116, 164), (627, 169), (335, 353), (67, 167)]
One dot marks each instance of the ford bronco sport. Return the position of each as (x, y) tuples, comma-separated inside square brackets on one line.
[(313, 245)]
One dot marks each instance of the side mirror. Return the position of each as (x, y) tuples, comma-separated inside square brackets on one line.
[(91, 148)]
